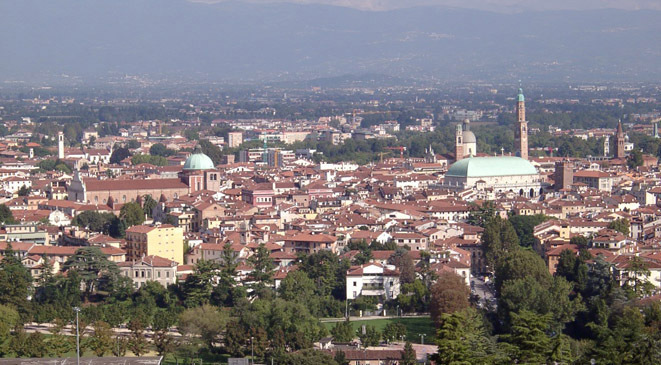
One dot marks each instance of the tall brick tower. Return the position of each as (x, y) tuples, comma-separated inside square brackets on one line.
[(522, 126), (619, 141), (459, 143)]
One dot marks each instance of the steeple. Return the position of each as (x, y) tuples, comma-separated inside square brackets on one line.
[(522, 126), (459, 143), (619, 141)]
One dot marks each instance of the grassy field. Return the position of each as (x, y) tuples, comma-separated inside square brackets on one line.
[(414, 327)]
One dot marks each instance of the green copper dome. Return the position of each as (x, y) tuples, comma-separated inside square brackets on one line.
[(198, 161), (520, 95), (491, 166)]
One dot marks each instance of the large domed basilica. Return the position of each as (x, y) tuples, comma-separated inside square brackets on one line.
[(498, 174)]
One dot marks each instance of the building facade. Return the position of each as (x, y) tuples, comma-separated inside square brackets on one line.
[(164, 240)]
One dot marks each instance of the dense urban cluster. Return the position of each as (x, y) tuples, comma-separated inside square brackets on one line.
[(387, 226)]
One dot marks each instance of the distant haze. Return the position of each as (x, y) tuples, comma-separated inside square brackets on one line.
[(284, 41), (491, 5)]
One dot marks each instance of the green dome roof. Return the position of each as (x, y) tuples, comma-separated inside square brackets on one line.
[(520, 95), (491, 166), (199, 161)]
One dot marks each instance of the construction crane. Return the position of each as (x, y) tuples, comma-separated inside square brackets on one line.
[(401, 150)]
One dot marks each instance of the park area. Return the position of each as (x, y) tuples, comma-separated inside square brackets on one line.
[(415, 326)]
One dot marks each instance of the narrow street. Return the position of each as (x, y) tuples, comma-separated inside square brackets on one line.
[(480, 288)]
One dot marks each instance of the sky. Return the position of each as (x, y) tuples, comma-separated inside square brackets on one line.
[(490, 5)]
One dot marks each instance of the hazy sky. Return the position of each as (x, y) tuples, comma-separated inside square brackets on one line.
[(494, 5)]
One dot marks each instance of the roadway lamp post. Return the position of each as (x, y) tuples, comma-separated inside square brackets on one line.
[(77, 310), (252, 351), (422, 338)]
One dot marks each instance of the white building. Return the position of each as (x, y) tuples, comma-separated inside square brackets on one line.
[(373, 280), (501, 174)]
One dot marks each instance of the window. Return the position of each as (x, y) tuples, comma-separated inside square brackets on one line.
[(123, 198), (354, 283)]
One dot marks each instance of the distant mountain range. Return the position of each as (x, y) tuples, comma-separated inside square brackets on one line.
[(272, 42)]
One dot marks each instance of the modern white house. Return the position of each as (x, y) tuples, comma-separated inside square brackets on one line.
[(373, 279)]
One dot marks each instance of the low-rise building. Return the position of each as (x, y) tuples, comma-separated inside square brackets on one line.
[(150, 268), (374, 280)]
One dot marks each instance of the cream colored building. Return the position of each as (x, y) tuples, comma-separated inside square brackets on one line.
[(150, 268), (163, 240)]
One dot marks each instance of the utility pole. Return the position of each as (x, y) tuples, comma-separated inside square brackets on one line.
[(252, 351), (77, 310)]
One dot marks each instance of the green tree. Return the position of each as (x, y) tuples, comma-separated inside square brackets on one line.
[(519, 264), (621, 225), (6, 215), (197, 288), (205, 322), (403, 261), (120, 346), (137, 341), (297, 286), (343, 331), (24, 191), (448, 295), (263, 268), (211, 150), (160, 149), (94, 221), (119, 154), (529, 337), (148, 205), (499, 238), (15, 283), (481, 215), (163, 342), (92, 267), (524, 226), (635, 159), (409, 356), (132, 214), (413, 297), (580, 241), (370, 337), (10, 319), (462, 338), (101, 340), (393, 331)]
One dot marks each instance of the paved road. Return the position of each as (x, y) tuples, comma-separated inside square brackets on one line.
[(71, 330), (368, 318), (482, 290)]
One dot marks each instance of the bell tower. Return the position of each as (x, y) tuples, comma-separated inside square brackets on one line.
[(522, 126), (459, 143), (619, 141)]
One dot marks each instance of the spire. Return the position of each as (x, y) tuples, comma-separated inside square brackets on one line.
[(620, 132), (520, 96)]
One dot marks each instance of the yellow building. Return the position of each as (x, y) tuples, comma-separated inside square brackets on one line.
[(162, 240)]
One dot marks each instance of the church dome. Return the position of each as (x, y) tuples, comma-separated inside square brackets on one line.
[(199, 161), (491, 166), (469, 137)]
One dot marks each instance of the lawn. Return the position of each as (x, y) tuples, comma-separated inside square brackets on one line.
[(414, 326)]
